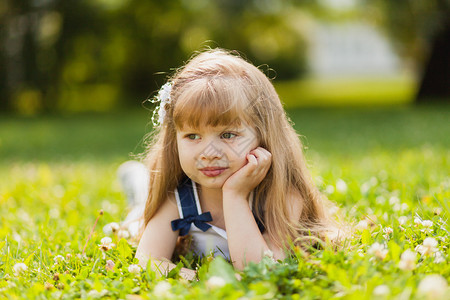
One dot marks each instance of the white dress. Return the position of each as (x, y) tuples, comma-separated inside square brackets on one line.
[(214, 240)]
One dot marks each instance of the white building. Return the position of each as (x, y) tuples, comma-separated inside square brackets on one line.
[(350, 49)]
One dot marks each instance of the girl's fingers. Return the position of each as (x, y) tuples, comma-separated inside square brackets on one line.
[(252, 159), (261, 152), (262, 155), (259, 161), (251, 174)]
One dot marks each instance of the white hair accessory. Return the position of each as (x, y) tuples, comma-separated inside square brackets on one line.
[(162, 99)]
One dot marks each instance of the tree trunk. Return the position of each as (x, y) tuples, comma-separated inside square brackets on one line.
[(435, 83)]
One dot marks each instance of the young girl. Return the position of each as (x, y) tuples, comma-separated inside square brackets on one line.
[(226, 167)]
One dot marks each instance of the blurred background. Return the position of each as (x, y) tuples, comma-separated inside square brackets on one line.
[(100, 55), (101, 59)]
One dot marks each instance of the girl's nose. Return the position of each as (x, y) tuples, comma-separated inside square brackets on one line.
[(211, 151)]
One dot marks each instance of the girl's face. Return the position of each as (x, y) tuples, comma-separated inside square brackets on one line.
[(209, 155)]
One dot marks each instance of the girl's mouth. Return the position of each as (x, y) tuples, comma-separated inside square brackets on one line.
[(212, 171)]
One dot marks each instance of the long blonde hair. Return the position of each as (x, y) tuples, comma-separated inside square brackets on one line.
[(217, 87)]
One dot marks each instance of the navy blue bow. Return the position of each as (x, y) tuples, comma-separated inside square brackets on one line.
[(184, 224)]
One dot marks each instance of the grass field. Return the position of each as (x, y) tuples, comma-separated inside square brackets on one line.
[(386, 167), (344, 91)]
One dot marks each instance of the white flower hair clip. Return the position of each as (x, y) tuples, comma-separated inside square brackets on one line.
[(162, 99)]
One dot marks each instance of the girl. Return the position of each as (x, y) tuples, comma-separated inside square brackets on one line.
[(226, 167)]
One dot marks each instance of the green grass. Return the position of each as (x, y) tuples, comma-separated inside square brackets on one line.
[(347, 91), (96, 137), (377, 164)]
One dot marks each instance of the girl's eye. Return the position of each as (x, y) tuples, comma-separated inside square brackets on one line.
[(228, 135), (193, 136)]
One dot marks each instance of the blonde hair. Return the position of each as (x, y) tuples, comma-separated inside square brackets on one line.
[(217, 87)]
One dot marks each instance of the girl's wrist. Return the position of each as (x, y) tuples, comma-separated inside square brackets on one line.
[(232, 195)]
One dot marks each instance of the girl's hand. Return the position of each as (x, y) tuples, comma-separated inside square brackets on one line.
[(243, 181)]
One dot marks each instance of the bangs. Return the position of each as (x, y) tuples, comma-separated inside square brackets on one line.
[(211, 102)]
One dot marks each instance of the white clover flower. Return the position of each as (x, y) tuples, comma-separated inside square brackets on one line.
[(96, 294), (106, 243), (394, 200), (134, 269), (430, 242), (417, 221), (437, 211), (58, 191), (388, 230), (54, 213), (123, 233), (341, 186), (109, 207), (17, 237), (360, 252), (427, 223), (433, 286), (106, 240), (381, 290), (438, 257), (378, 250), (162, 289), (404, 206), (329, 189), (58, 259), (111, 228), (408, 260), (402, 220), (363, 224), (380, 200), (109, 265), (365, 187), (20, 268), (215, 282), (428, 246)]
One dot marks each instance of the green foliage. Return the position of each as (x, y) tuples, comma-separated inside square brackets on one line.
[(393, 191), (98, 55)]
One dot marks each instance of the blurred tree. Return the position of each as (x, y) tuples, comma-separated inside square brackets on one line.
[(164, 34), (421, 30), (96, 54), (40, 40)]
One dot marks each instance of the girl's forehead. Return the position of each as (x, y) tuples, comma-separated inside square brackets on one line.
[(217, 101)]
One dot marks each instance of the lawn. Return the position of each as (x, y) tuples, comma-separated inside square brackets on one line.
[(341, 91), (387, 168)]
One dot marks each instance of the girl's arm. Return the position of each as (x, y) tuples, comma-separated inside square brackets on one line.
[(158, 241), (245, 242)]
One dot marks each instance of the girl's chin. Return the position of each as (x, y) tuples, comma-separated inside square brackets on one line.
[(211, 182)]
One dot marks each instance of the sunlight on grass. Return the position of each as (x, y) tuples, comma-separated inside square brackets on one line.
[(341, 92), (387, 170)]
